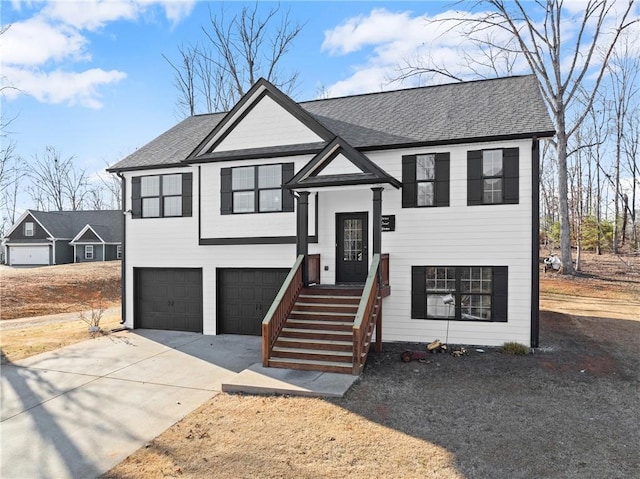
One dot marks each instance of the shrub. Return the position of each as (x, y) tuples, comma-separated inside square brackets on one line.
[(516, 349)]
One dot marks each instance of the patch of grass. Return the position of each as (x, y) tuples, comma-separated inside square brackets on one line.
[(515, 349), (21, 343)]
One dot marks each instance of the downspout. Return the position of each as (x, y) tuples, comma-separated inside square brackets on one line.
[(123, 259), (535, 243)]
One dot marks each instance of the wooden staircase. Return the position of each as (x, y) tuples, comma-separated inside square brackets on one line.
[(318, 332)]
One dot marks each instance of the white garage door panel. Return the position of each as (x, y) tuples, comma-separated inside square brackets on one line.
[(29, 254)]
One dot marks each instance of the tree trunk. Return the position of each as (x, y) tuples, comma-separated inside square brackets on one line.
[(563, 199)]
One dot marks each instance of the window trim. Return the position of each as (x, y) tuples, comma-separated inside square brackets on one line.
[(227, 192), (137, 199), (88, 251), (441, 181), (499, 293), (510, 176), (27, 231)]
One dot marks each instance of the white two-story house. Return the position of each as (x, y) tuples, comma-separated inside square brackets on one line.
[(326, 225)]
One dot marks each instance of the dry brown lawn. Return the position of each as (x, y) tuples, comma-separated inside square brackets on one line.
[(483, 415), (27, 292)]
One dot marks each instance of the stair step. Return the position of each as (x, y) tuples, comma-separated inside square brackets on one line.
[(321, 298), (315, 344), (316, 354), (316, 334), (326, 307), (322, 325), (311, 365)]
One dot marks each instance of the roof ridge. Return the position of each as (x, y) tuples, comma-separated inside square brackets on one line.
[(423, 87)]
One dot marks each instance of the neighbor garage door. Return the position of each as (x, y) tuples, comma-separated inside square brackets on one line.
[(30, 255), (244, 297), (168, 298)]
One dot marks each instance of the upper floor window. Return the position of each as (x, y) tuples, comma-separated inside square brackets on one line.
[(425, 180), (158, 196), (493, 176), (29, 228), (256, 189), (466, 293)]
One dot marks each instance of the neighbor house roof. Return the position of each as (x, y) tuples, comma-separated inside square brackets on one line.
[(67, 224), (510, 107)]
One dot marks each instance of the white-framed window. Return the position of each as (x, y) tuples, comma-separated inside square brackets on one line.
[(119, 251), (88, 251), (492, 176), (257, 188), (462, 293), (29, 228), (161, 196)]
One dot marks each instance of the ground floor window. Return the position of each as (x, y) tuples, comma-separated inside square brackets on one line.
[(464, 293), (119, 251), (88, 251)]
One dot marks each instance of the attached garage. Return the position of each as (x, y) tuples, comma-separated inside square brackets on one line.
[(244, 297), (29, 255), (168, 298)]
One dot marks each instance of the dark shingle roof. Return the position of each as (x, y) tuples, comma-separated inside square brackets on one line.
[(67, 224), (503, 107)]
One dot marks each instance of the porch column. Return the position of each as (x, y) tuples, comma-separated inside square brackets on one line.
[(302, 230), (377, 220)]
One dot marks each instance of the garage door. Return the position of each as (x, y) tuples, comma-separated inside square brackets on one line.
[(168, 298), (28, 255), (244, 297)]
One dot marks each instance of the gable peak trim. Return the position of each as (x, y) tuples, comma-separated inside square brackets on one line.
[(244, 106)]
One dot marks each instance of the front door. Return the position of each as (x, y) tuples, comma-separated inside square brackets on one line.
[(351, 247)]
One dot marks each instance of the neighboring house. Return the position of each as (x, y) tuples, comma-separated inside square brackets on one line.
[(427, 198), (58, 237)]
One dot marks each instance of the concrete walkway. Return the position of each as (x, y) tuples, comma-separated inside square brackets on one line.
[(78, 411)]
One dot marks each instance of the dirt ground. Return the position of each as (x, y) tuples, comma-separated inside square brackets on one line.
[(26, 292), (568, 410)]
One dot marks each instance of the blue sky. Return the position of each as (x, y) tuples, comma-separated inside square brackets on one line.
[(95, 85)]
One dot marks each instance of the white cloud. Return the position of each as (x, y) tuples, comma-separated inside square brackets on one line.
[(391, 39), (33, 49), (35, 41), (60, 86)]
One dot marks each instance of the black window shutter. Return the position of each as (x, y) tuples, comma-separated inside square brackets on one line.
[(511, 167), (187, 195), (442, 179), (226, 196), (474, 177), (418, 292), (409, 188), (287, 195), (136, 201), (500, 293)]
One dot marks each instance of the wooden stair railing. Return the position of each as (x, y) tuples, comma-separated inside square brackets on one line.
[(369, 313), (280, 309)]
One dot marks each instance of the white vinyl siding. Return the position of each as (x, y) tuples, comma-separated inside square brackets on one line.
[(458, 235)]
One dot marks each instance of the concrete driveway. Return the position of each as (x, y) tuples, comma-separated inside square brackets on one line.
[(78, 411)]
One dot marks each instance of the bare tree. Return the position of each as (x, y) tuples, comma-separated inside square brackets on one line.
[(234, 53), (624, 73), (561, 64), (113, 185), (57, 182)]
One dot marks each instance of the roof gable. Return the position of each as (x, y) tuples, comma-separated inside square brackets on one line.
[(340, 164), (28, 214), (263, 118), (87, 235)]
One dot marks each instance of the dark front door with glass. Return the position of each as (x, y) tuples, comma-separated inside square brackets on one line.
[(351, 247)]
